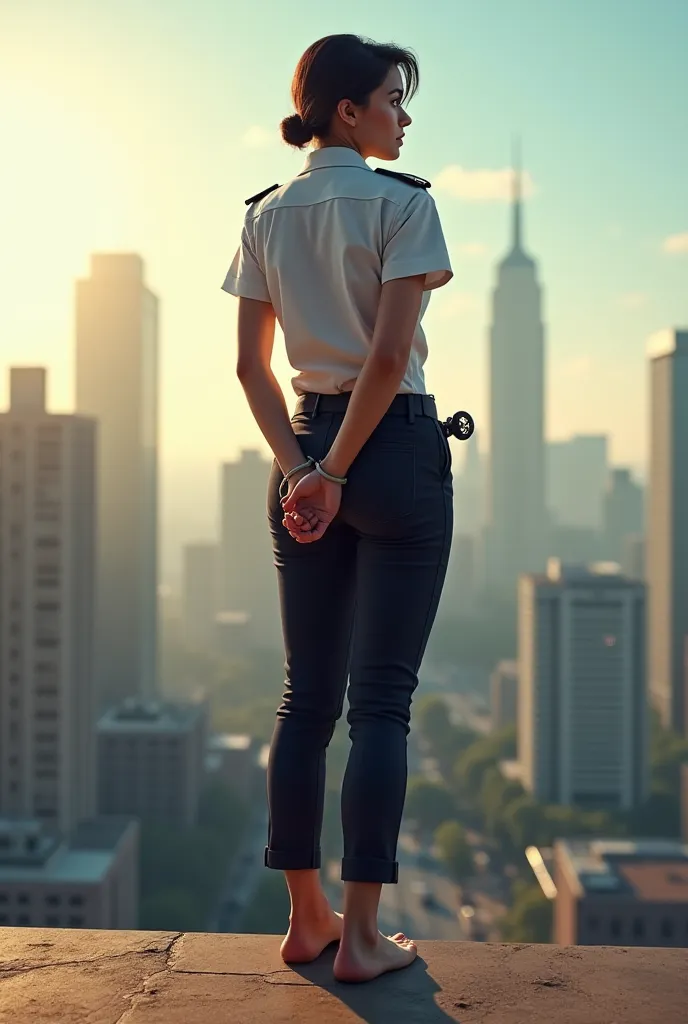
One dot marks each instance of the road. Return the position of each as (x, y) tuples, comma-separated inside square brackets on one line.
[(244, 874)]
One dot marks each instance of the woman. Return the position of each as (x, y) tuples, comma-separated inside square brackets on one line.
[(345, 258)]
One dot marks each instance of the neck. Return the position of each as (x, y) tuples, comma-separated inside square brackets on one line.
[(331, 141)]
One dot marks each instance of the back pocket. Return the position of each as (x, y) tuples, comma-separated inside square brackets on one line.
[(381, 484)]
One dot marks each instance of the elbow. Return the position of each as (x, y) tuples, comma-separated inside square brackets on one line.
[(245, 370)]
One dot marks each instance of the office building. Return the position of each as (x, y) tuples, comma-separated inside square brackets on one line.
[(248, 579), (666, 552), (151, 757), (117, 384), (199, 595), (516, 518), (88, 880), (234, 760), (621, 892), (577, 471), (582, 721), (633, 556), (623, 512), (504, 695), (47, 565)]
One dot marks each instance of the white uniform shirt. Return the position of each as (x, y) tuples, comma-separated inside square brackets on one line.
[(320, 248)]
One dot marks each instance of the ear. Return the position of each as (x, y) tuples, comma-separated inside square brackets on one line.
[(347, 112)]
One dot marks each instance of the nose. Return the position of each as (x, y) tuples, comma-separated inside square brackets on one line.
[(404, 119)]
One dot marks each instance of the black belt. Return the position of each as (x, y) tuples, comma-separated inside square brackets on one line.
[(402, 405)]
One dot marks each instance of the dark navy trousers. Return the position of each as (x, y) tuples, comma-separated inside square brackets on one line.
[(357, 605)]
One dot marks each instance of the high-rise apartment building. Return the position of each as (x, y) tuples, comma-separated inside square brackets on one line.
[(666, 552), (577, 471), (47, 562), (248, 581), (199, 594), (623, 512), (582, 719), (117, 383), (516, 518), (151, 757)]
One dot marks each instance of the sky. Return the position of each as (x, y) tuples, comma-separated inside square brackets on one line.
[(141, 126)]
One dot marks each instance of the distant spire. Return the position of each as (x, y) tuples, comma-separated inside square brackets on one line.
[(516, 194)]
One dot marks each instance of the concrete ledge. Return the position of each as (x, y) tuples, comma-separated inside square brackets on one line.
[(61, 976)]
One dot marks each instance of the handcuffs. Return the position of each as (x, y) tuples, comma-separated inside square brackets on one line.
[(460, 425)]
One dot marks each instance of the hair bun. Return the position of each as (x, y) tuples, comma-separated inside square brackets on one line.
[(295, 131)]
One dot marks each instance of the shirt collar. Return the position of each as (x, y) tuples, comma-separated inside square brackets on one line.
[(333, 156)]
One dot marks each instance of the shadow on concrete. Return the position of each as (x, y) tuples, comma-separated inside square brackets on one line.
[(407, 995)]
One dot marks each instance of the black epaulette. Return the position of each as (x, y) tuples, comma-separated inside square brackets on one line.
[(261, 195), (410, 179)]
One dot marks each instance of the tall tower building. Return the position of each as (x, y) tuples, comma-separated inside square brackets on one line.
[(516, 506), (47, 570), (582, 714), (666, 558), (117, 383), (248, 582)]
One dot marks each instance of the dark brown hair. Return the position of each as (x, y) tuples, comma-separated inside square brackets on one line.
[(336, 68)]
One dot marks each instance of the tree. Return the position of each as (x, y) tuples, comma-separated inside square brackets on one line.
[(529, 919), (454, 851), (496, 793), (428, 803), (171, 910)]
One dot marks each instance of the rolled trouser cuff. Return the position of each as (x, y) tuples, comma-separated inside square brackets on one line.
[(291, 860), (370, 869)]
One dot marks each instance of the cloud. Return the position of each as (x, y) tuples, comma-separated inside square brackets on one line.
[(632, 300), (676, 243), (257, 137), (480, 185)]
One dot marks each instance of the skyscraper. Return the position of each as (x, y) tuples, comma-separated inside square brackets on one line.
[(515, 540), (582, 706), (577, 471), (117, 383), (248, 581), (47, 569), (666, 559), (623, 512)]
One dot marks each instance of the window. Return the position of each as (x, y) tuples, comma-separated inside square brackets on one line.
[(593, 923), (615, 927), (3, 895), (52, 921), (4, 919), (667, 929), (76, 901), (76, 921), (23, 919), (638, 927)]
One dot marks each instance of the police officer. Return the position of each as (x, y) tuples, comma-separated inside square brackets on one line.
[(360, 495)]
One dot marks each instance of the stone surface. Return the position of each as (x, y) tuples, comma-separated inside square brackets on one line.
[(60, 976)]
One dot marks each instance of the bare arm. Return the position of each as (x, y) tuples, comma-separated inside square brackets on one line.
[(382, 373), (256, 329)]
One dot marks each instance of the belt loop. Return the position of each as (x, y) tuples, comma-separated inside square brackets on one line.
[(315, 407), (411, 410)]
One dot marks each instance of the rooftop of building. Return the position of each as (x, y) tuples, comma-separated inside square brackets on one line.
[(651, 870), (667, 342), (135, 976), (595, 574), (144, 716), (30, 854)]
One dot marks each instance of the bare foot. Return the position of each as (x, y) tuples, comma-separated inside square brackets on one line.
[(306, 939), (358, 960)]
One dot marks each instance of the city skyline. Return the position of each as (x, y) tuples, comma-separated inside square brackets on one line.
[(160, 164)]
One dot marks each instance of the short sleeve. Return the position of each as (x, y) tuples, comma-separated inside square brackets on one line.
[(416, 244), (245, 276)]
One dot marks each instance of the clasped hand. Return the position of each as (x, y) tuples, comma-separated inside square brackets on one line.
[(310, 506)]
